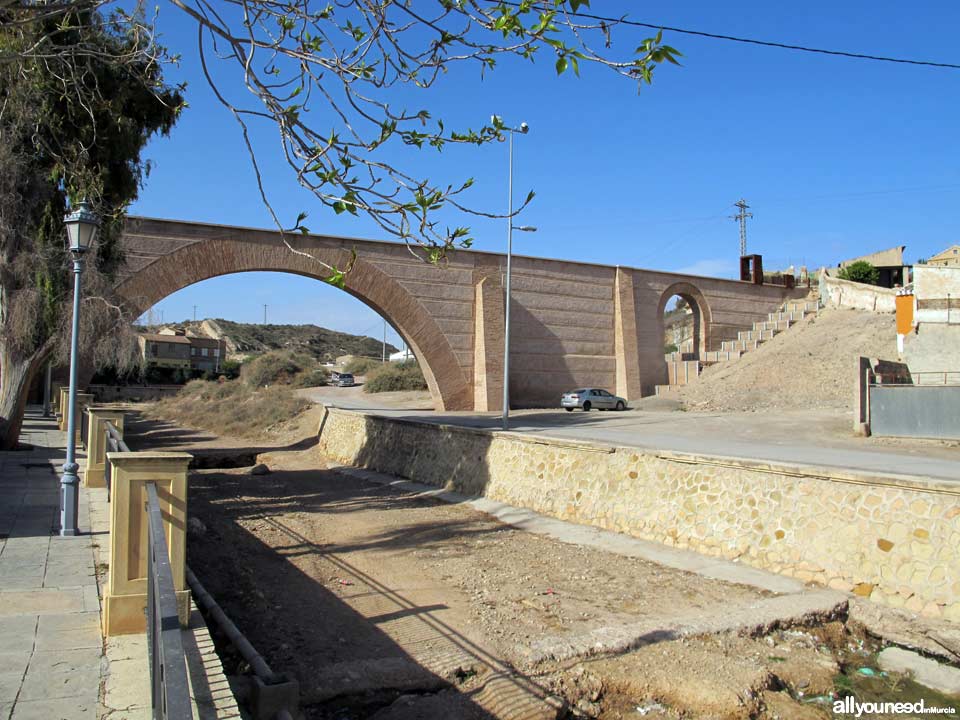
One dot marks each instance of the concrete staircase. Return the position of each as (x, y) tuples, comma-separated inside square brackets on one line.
[(683, 368)]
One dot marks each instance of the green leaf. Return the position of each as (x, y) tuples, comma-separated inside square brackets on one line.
[(336, 279), (561, 64)]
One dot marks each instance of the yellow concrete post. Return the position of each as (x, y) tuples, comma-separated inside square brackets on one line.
[(94, 475), (125, 599), (62, 408), (84, 400), (55, 397)]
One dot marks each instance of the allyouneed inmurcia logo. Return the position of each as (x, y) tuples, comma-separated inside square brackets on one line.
[(850, 706)]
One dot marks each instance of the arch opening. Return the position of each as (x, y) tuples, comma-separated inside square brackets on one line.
[(201, 261), (684, 321)]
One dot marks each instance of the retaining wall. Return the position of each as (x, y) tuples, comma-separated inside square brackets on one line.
[(889, 538), (835, 292)]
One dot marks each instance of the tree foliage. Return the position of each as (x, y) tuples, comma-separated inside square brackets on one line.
[(359, 62), (76, 107), (344, 82), (861, 271)]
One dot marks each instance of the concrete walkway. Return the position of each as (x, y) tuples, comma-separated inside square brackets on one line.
[(53, 658), (50, 643)]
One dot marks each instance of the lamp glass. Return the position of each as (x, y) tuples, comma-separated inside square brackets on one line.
[(82, 227)]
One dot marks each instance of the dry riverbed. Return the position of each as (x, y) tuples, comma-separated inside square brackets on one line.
[(391, 606)]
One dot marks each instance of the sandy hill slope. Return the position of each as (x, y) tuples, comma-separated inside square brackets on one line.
[(811, 366)]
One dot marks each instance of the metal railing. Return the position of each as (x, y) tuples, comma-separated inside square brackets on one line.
[(924, 377), (169, 691), (114, 443)]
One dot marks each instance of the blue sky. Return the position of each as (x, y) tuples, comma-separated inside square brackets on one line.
[(837, 157)]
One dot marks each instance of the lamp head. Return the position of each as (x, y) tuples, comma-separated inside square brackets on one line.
[(82, 226), (524, 128)]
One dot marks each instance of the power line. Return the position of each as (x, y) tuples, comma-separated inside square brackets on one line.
[(754, 41)]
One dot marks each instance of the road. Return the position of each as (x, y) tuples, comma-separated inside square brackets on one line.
[(811, 438)]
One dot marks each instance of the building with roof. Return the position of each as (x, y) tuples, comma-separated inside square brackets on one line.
[(893, 272), (172, 348), (947, 258)]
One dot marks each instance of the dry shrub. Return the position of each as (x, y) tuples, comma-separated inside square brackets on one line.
[(230, 408), (363, 366), (283, 367), (395, 377)]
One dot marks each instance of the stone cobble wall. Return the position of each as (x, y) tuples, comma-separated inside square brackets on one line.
[(890, 539)]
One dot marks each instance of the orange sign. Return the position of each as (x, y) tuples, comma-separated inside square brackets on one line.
[(904, 314)]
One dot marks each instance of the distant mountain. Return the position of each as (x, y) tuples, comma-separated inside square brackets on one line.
[(244, 339)]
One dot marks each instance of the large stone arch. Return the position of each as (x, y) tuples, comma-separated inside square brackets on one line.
[(211, 258), (701, 313)]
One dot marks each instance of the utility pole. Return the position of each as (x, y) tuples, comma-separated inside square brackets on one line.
[(264, 314), (741, 217), (194, 313)]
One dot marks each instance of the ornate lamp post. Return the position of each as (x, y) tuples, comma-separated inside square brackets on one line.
[(82, 226)]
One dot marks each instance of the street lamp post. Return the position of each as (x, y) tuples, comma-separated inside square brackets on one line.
[(523, 129), (82, 226)]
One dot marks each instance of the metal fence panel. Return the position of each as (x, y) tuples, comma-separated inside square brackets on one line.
[(170, 692), (920, 411)]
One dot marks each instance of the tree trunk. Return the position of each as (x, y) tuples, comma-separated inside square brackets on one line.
[(16, 376)]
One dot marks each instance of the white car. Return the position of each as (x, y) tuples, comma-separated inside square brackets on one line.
[(590, 398)]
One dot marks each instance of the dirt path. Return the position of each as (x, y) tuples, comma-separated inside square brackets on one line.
[(366, 593), (392, 606)]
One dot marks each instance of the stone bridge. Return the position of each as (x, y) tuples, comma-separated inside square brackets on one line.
[(573, 324)]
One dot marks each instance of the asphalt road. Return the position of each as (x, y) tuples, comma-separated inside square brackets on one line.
[(810, 438)]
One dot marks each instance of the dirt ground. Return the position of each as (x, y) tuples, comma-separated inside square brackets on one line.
[(810, 366), (391, 606)]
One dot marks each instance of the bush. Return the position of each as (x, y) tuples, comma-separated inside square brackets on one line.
[(861, 271), (362, 366), (278, 367), (394, 377), (230, 369), (313, 378)]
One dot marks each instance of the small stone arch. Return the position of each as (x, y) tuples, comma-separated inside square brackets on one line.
[(212, 258), (701, 313)]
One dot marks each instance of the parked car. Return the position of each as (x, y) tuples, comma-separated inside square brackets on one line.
[(590, 398), (344, 380)]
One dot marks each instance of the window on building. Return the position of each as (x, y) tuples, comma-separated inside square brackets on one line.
[(203, 352), (193, 351), (216, 352)]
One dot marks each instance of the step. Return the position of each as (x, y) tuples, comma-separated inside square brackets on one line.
[(796, 306), (779, 326), (792, 316), (756, 335), (717, 356), (682, 372), (741, 346)]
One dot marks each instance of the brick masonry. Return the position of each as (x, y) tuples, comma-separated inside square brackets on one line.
[(574, 324), (890, 539)]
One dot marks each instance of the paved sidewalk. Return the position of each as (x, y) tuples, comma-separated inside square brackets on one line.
[(50, 644)]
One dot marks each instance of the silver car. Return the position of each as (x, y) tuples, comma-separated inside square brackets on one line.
[(589, 398)]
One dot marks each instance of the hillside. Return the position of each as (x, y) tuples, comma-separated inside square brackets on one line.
[(250, 339), (811, 366)]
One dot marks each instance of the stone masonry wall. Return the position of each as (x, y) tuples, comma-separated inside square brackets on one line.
[(890, 539)]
